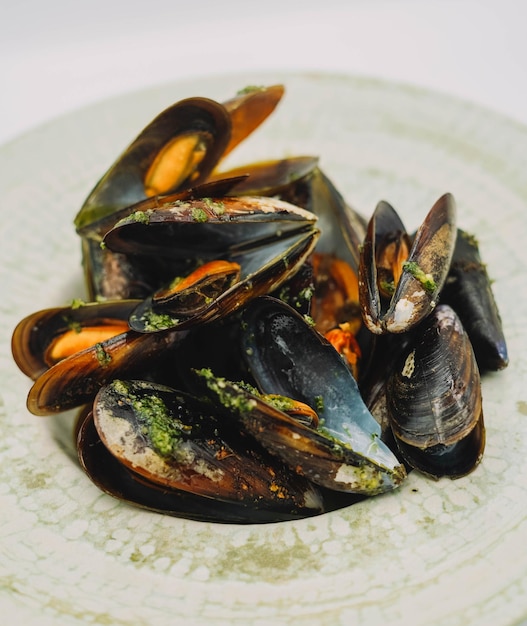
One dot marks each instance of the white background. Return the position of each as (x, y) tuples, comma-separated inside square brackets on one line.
[(58, 55)]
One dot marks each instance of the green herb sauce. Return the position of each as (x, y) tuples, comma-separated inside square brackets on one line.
[(103, 357), (309, 320), (250, 89), (76, 303), (217, 207), (157, 321), (319, 404), (161, 428), (138, 217), (425, 279), (231, 395), (198, 215), (388, 287)]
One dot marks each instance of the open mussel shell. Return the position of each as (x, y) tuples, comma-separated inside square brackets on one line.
[(316, 453), (468, 291), (343, 229), (263, 271), (248, 109), (423, 273), (154, 163), (75, 380), (179, 149), (434, 399), (288, 357), (385, 230), (175, 441), (45, 337)]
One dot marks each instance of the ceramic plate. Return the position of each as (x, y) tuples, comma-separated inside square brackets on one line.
[(445, 552)]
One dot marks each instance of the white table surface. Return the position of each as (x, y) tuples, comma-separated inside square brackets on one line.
[(57, 56)]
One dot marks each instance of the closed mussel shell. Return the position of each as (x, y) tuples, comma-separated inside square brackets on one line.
[(468, 290), (434, 399)]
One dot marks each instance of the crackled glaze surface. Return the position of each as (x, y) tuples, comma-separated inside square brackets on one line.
[(441, 552)]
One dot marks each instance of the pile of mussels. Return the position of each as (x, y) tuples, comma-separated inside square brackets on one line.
[(254, 350)]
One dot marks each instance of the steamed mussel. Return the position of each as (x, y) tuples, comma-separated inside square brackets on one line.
[(441, 434), (254, 349)]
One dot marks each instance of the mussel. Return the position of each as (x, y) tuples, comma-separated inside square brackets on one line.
[(434, 399), (420, 276), (75, 380), (287, 356), (178, 149), (178, 442), (468, 290), (45, 337), (267, 239), (173, 154)]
